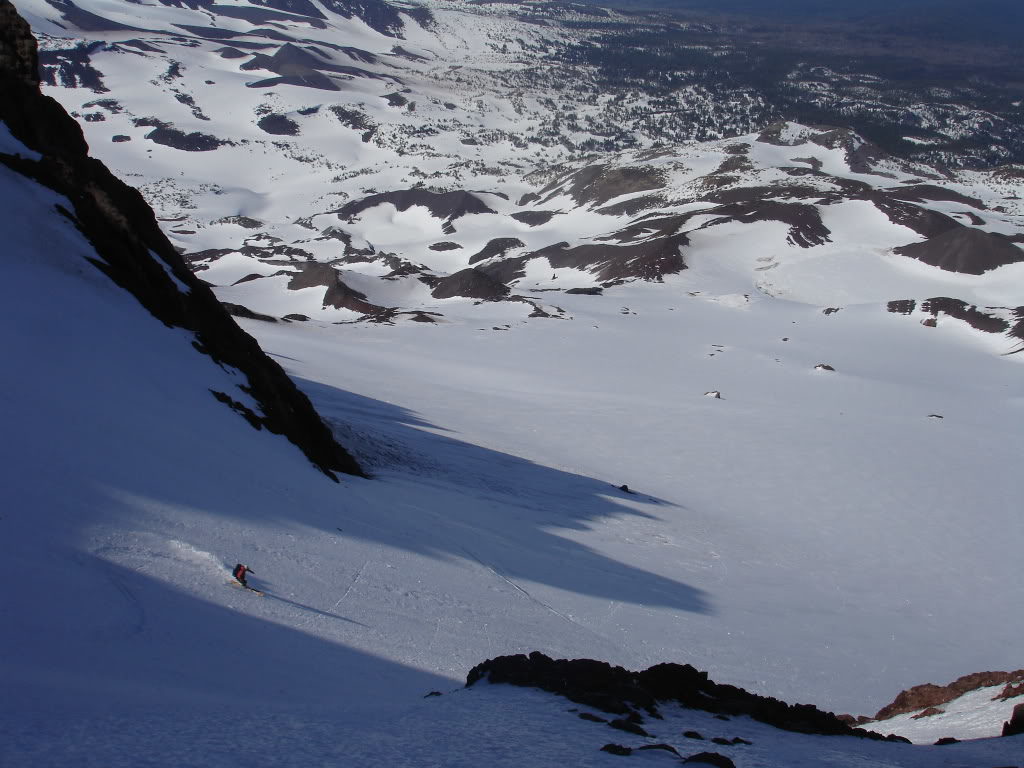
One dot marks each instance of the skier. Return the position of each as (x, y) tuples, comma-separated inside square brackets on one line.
[(239, 573)]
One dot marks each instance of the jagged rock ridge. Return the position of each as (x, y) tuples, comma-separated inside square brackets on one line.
[(137, 256), (619, 691)]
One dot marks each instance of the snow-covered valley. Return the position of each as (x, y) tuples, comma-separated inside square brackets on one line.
[(548, 473)]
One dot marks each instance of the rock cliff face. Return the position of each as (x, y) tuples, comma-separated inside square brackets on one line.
[(136, 255)]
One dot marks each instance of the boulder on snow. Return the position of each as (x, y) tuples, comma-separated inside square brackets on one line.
[(629, 727), (617, 749), (711, 758)]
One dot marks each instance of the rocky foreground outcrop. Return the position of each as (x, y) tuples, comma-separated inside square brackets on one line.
[(134, 253), (619, 691)]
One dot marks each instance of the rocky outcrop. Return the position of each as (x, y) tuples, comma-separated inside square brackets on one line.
[(619, 691), (338, 294), (964, 250), (499, 246), (1015, 725), (471, 283), (135, 254), (930, 695), (447, 206)]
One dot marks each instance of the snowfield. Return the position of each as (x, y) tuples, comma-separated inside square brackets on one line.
[(842, 523)]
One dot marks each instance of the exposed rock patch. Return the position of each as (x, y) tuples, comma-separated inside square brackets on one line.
[(447, 206), (964, 250), (444, 246), (338, 295), (598, 184), (499, 246), (471, 283), (534, 218), (930, 695), (196, 141), (711, 758), (278, 125)]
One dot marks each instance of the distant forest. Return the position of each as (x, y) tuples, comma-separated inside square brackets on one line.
[(975, 21)]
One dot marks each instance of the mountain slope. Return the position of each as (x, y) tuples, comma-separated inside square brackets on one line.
[(794, 536)]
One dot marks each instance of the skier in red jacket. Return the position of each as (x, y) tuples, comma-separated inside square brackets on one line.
[(239, 573)]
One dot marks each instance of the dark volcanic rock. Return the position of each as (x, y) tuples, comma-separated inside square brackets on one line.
[(378, 14), (806, 228), (648, 260), (299, 66), (533, 218), (1017, 329), (970, 314), (471, 283), (499, 246), (617, 749), (444, 246), (901, 306), (618, 691), (965, 250), (626, 725), (599, 184), (919, 193), (317, 80), (242, 221), (278, 125), (444, 205), (925, 221), (1015, 724), (338, 294), (188, 142), (239, 310), (711, 758), (72, 67), (136, 255), (594, 291)]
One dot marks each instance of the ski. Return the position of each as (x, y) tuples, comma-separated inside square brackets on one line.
[(246, 586)]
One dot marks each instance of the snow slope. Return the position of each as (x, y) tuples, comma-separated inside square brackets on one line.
[(819, 536), (130, 492)]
